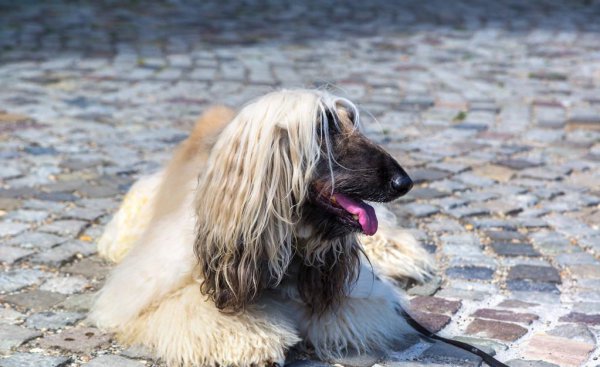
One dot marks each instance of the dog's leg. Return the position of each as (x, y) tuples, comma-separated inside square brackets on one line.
[(187, 329), (395, 253), (368, 321)]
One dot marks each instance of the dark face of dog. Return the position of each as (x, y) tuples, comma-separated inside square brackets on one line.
[(355, 170), (352, 169)]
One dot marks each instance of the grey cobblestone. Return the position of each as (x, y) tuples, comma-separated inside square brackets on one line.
[(52, 320), (112, 361), (12, 228), (10, 254), (65, 285), (36, 300), (33, 360), (12, 336), (16, 279), (37, 240), (492, 107), (82, 340), (63, 253), (9, 316)]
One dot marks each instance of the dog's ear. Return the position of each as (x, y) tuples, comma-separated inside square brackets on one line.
[(248, 198)]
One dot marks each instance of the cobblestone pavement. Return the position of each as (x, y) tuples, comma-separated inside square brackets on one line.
[(493, 107)]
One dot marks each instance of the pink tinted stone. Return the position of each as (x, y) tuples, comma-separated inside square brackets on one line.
[(496, 330), (562, 351), (505, 315)]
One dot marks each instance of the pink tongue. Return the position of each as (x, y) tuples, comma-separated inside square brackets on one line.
[(366, 214)]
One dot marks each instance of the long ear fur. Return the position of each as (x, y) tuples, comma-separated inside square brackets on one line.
[(248, 198)]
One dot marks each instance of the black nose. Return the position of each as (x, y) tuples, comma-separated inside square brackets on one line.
[(402, 184)]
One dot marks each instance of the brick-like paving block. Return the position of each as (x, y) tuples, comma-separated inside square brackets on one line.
[(33, 360), (113, 361), (77, 302), (585, 271), (63, 253), (434, 305), (38, 240), (79, 340), (427, 175), (53, 320), (487, 345), (36, 300), (12, 336), (562, 351), (578, 332), (517, 164), (515, 303), (496, 330), (91, 268), (12, 228), (529, 363), (535, 273), (68, 228), (505, 236), (581, 317), (14, 280), (446, 354), (10, 254), (529, 286), (470, 272), (431, 321), (10, 316), (505, 315), (495, 172), (514, 249), (66, 285)]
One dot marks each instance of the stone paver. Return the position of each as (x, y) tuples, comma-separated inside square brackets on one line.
[(504, 315), (562, 351), (113, 361), (79, 340), (492, 108), (33, 360), (53, 320), (35, 300), (496, 330), (14, 280), (12, 336)]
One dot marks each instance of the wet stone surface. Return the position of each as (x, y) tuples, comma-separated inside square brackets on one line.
[(491, 107)]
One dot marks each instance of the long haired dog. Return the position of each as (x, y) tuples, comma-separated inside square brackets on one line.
[(257, 237)]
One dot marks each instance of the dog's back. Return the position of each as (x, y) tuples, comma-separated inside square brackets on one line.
[(153, 196)]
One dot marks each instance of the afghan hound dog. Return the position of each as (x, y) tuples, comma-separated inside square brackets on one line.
[(257, 237)]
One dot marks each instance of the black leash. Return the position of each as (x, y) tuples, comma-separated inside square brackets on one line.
[(491, 361)]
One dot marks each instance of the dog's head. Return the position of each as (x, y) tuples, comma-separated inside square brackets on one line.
[(351, 170), (288, 178)]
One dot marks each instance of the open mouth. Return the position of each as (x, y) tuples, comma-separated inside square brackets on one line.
[(352, 211)]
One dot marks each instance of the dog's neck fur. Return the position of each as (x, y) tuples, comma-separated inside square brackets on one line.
[(324, 269)]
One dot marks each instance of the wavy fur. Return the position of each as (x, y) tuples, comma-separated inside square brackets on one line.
[(259, 171), (226, 267)]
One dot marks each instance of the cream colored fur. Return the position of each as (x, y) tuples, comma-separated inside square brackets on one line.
[(152, 296)]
